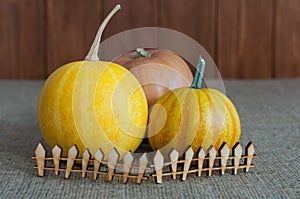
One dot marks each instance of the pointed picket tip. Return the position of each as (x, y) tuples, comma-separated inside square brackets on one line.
[(128, 158), (212, 151), (40, 151), (99, 155), (73, 151), (113, 154), (201, 153), (113, 158), (174, 155), (237, 149), (250, 148), (86, 154), (225, 150), (143, 159), (189, 153), (158, 158), (56, 150)]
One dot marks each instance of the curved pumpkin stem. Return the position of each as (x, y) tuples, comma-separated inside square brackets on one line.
[(93, 53), (198, 78)]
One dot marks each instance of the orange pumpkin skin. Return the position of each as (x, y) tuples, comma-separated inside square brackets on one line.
[(196, 117), (162, 71)]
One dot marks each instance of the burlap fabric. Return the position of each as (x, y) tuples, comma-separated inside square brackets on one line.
[(270, 117)]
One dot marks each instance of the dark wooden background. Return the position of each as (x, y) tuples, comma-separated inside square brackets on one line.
[(246, 38)]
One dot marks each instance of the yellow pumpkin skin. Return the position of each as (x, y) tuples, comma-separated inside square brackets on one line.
[(93, 104), (196, 117)]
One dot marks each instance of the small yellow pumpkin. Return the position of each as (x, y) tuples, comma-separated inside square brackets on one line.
[(93, 104), (193, 116)]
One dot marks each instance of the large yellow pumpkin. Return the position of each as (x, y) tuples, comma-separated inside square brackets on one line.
[(193, 116), (93, 104)]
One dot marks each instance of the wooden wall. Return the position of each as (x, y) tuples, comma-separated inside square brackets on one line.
[(246, 38)]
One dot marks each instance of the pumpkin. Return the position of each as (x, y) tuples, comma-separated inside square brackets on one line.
[(193, 116), (158, 70), (93, 104)]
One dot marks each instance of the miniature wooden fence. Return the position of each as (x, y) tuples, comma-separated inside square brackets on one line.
[(144, 169)]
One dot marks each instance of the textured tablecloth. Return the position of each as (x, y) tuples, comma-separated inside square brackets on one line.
[(270, 117)]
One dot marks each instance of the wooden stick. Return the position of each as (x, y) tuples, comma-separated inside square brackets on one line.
[(201, 156), (158, 164), (72, 153), (174, 158), (56, 153), (250, 153), (40, 154), (112, 158), (128, 159), (188, 159), (97, 162), (85, 161), (225, 151), (212, 155), (143, 165), (237, 154)]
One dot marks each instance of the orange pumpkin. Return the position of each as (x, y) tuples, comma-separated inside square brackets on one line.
[(157, 70)]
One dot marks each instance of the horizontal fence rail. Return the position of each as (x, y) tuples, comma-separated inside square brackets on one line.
[(142, 168)]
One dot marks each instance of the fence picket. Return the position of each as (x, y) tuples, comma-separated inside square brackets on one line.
[(225, 151), (85, 161), (142, 167), (40, 154), (97, 162), (249, 153), (201, 156), (56, 153), (212, 156), (188, 159), (72, 153), (174, 155), (237, 154), (158, 165), (112, 159), (127, 162)]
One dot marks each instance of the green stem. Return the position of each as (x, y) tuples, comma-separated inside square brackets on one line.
[(141, 53), (93, 53), (198, 78)]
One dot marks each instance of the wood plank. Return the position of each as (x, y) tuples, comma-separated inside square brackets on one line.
[(227, 46), (21, 48), (195, 18), (71, 28), (287, 39), (245, 38), (134, 14)]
